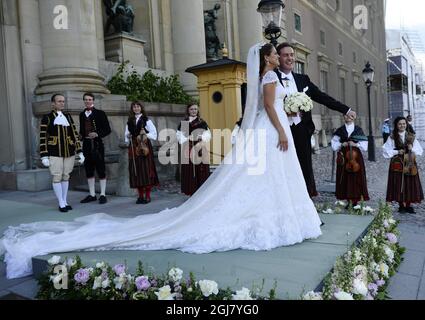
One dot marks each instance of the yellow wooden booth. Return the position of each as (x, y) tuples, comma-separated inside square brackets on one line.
[(220, 85)]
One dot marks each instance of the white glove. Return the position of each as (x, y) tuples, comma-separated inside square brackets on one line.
[(82, 158), (45, 161)]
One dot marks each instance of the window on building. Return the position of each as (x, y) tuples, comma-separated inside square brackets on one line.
[(397, 83), (322, 38), (324, 81), (340, 51), (337, 5), (300, 67), (297, 21), (342, 89), (354, 57)]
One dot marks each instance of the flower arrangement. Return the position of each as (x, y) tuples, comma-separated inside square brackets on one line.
[(363, 272), (297, 102), (104, 282), (344, 207)]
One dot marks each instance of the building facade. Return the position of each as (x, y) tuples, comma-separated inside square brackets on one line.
[(43, 51), (405, 80)]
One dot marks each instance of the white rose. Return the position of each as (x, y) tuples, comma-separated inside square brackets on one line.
[(97, 283), (391, 221), (383, 269), (369, 209), (359, 287), (328, 211), (120, 281), (54, 260), (389, 253), (106, 283), (208, 287), (164, 293), (358, 207), (175, 274), (360, 272), (71, 263), (313, 296), (189, 289), (243, 294), (343, 296), (100, 265)]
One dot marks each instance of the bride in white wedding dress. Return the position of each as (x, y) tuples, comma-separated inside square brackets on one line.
[(234, 209)]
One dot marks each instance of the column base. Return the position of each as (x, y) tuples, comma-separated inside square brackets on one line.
[(71, 79)]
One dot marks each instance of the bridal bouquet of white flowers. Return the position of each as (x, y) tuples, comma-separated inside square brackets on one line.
[(297, 102)]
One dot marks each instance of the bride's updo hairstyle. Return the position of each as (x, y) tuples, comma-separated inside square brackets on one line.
[(265, 50)]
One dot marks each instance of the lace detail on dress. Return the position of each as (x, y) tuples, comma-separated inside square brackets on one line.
[(270, 77)]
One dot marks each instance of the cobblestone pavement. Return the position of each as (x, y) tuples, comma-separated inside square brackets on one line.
[(377, 175)]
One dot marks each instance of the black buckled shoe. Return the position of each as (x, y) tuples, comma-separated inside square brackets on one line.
[(68, 207), (139, 201), (88, 199), (410, 210), (102, 200), (64, 209), (402, 209)]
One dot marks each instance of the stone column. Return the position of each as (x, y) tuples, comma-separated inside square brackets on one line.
[(188, 39), (250, 26), (70, 56)]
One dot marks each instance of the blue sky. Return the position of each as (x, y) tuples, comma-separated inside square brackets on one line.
[(407, 14)]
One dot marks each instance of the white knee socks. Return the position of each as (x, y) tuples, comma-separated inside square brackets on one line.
[(91, 186), (103, 187), (57, 188), (65, 186)]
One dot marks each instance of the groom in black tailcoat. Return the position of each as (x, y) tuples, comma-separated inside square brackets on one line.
[(302, 125)]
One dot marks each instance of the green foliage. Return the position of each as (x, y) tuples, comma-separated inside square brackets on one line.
[(147, 87)]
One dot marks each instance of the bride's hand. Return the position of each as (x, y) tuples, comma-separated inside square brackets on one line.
[(283, 141)]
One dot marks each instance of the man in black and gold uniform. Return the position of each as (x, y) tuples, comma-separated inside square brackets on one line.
[(59, 143), (94, 126)]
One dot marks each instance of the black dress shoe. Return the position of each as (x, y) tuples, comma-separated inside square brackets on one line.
[(148, 200), (410, 210), (322, 223), (139, 201), (102, 200), (401, 209), (64, 209), (88, 199), (68, 207)]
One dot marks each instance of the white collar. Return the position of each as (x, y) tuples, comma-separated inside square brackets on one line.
[(290, 76), (402, 134), (61, 120), (192, 118)]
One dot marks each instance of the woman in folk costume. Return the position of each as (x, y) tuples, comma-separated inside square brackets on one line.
[(138, 133), (351, 184), (193, 134), (404, 185)]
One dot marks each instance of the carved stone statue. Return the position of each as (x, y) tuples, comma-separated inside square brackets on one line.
[(213, 45), (120, 16)]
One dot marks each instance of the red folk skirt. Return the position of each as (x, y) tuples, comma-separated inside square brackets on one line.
[(192, 176), (402, 187), (351, 186), (142, 170)]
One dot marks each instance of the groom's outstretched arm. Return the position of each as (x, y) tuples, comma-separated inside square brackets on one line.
[(322, 98)]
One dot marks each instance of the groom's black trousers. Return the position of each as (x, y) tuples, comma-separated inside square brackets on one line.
[(302, 139)]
